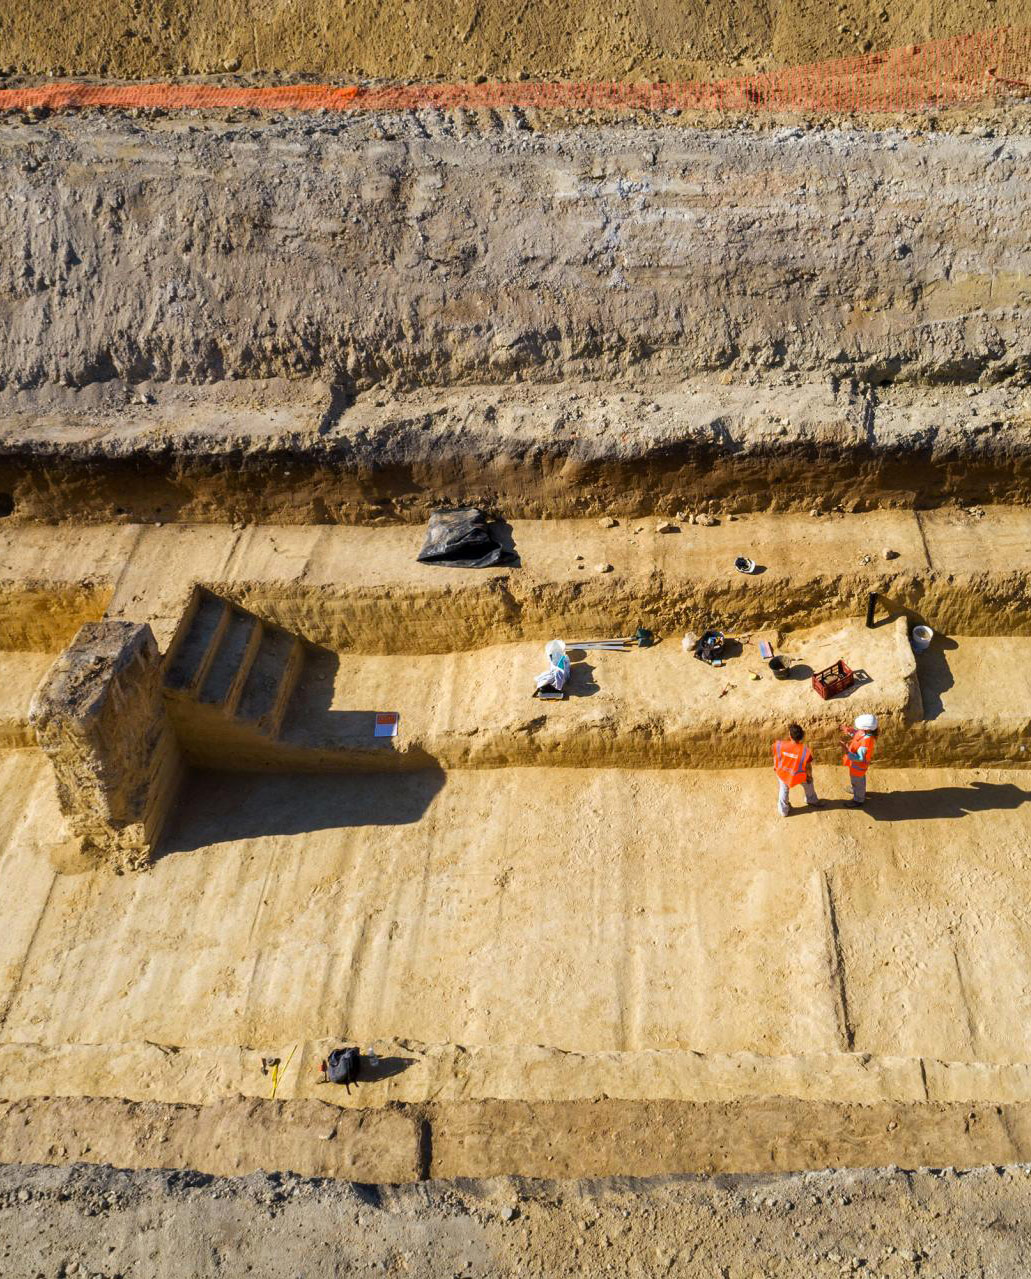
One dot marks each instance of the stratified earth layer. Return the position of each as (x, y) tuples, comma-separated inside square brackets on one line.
[(632, 38)]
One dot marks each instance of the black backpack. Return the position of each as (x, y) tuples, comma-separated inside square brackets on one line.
[(342, 1066)]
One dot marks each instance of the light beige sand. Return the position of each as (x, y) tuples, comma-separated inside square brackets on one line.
[(362, 589), (543, 935), (580, 910)]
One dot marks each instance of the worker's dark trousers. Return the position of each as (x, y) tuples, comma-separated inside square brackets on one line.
[(858, 787)]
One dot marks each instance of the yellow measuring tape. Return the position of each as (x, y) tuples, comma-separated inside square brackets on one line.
[(276, 1074)]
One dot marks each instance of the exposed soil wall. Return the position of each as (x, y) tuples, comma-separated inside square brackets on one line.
[(420, 257), (295, 453), (42, 617), (626, 320), (560, 323), (501, 1138), (597, 41)]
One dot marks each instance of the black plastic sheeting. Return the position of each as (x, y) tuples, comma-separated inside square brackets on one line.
[(462, 539)]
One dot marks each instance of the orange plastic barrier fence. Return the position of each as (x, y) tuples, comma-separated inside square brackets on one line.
[(946, 72)]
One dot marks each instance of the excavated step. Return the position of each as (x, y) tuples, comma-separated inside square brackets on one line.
[(966, 701), (194, 651), (361, 589), (233, 660), (272, 678), (230, 680), (408, 1072)]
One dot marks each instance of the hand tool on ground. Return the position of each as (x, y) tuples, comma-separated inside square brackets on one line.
[(277, 1074), (642, 638)]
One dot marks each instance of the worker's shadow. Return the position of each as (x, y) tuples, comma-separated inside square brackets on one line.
[(581, 681), (944, 801)]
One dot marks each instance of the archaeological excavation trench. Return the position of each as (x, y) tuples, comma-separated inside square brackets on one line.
[(214, 860), (241, 361)]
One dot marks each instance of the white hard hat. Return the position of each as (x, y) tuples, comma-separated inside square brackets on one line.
[(554, 650), (866, 723)]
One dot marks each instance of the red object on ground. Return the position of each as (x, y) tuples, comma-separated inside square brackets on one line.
[(835, 679)]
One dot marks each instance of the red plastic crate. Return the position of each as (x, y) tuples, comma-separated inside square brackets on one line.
[(835, 679)]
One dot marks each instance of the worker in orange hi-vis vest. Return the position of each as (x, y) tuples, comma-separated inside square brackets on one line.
[(793, 764), (858, 744)]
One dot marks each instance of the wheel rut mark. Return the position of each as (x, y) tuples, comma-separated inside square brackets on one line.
[(968, 1012), (846, 1031)]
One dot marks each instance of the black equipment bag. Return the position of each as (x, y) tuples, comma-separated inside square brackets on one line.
[(342, 1066)]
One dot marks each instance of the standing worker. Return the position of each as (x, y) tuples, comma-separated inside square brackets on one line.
[(793, 764), (858, 743)]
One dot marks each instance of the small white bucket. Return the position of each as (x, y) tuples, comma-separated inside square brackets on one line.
[(920, 638)]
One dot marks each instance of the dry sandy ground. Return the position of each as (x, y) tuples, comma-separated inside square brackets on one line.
[(308, 909), (634, 38), (574, 971), (882, 1224)]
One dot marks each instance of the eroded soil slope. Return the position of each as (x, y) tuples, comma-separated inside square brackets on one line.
[(392, 253), (321, 319)]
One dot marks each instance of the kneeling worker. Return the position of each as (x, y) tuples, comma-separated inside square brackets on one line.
[(858, 743), (793, 764)]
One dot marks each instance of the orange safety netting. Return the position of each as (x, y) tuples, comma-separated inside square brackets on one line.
[(946, 72)]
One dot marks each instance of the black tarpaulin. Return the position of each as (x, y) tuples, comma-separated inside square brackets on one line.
[(462, 539)]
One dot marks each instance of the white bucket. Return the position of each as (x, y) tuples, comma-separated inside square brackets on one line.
[(920, 638)]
